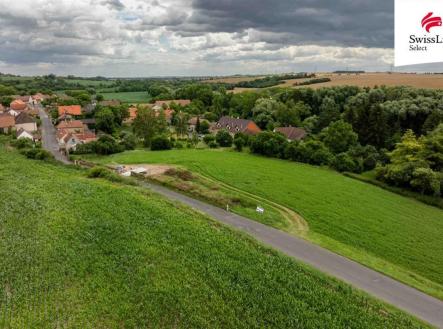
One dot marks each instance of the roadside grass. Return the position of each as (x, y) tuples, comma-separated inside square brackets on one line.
[(77, 252), (398, 236), (215, 193), (128, 97)]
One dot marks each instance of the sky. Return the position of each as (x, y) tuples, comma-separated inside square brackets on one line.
[(141, 38)]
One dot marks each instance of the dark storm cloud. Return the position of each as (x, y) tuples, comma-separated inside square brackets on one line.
[(342, 22), (114, 4)]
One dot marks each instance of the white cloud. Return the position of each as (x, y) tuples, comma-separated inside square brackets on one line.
[(153, 37)]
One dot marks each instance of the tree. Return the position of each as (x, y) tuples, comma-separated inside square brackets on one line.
[(7, 91), (181, 124), (204, 127), (129, 141), (329, 112), (223, 138), (105, 120), (312, 152), (197, 125), (146, 125), (99, 98), (339, 137), (433, 148), (269, 144), (344, 162), (159, 143), (208, 138), (239, 143), (106, 145)]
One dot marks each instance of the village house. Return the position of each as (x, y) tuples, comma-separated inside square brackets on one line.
[(17, 106), (70, 141), (192, 124), (74, 126), (7, 123), (26, 122), (234, 126), (21, 133), (292, 133), (72, 110)]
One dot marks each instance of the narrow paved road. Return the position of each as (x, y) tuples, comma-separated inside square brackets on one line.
[(49, 137), (391, 291)]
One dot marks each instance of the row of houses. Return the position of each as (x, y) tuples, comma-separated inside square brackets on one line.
[(20, 117), (71, 133), (249, 127)]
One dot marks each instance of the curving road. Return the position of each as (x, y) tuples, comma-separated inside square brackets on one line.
[(49, 140), (389, 290)]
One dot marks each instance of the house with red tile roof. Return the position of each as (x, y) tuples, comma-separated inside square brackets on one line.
[(73, 110), (72, 126), (7, 123), (70, 140), (18, 105), (292, 133)]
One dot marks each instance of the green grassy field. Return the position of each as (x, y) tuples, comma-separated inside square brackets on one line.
[(129, 97), (388, 232), (91, 83), (82, 253)]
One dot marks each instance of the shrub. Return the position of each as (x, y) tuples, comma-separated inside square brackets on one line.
[(178, 145), (208, 138), (239, 143), (213, 145), (84, 148), (22, 143), (223, 138), (37, 154), (129, 141), (106, 145), (426, 181), (313, 152), (344, 162), (269, 144), (159, 143), (100, 172)]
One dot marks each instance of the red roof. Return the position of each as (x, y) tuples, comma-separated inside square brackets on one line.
[(18, 105), (71, 110), (70, 124), (7, 121)]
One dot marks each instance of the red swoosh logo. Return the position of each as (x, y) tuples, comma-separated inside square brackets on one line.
[(429, 22)]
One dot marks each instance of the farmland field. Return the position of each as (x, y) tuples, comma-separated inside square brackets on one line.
[(388, 232), (431, 81), (83, 253), (128, 97)]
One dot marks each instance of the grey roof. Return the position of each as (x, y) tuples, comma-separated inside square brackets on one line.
[(24, 118)]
